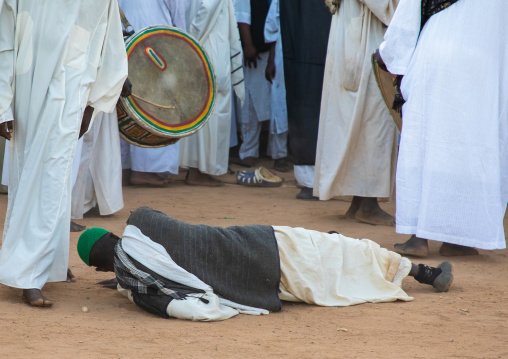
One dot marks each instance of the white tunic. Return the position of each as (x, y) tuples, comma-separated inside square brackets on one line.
[(209, 21), (279, 118), (357, 140), (142, 14), (99, 175), (452, 174), (63, 56)]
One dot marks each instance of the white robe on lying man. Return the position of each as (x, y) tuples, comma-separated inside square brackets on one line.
[(452, 172), (56, 57)]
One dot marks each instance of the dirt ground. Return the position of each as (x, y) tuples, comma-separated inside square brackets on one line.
[(470, 321)]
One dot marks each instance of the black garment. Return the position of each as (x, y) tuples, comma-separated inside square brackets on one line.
[(259, 10), (241, 264), (432, 7), (305, 26)]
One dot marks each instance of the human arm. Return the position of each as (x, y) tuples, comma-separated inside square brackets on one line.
[(250, 53), (270, 65)]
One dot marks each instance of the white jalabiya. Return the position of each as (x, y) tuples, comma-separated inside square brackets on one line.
[(263, 101), (142, 14), (452, 174), (279, 118), (62, 56), (335, 270), (99, 179), (357, 140), (213, 24)]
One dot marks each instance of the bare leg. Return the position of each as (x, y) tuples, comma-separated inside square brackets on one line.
[(454, 250), (414, 246), (148, 179), (370, 212), (355, 206), (35, 298), (197, 178), (77, 227)]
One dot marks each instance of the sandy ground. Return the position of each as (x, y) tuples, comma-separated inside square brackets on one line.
[(470, 321)]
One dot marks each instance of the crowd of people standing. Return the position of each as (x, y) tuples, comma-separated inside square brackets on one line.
[(303, 67)]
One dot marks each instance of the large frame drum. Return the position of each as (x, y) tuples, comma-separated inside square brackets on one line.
[(173, 86)]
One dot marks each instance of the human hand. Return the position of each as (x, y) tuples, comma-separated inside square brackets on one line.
[(270, 71), (250, 55), (109, 283), (85, 122), (6, 129), (127, 88)]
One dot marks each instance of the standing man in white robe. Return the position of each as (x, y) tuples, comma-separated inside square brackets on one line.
[(452, 172), (257, 108), (152, 166), (56, 58), (206, 153), (357, 141)]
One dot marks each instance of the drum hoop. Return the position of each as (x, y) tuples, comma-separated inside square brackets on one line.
[(152, 125), (395, 116)]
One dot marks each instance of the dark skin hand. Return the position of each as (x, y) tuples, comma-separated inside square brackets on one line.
[(126, 89), (85, 122), (250, 53), (6, 129), (270, 66)]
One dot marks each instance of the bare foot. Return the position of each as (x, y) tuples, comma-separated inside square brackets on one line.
[(454, 250), (414, 246), (35, 298), (77, 227), (70, 276), (355, 206), (370, 212), (149, 179), (197, 178)]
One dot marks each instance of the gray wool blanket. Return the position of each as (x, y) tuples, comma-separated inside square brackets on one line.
[(240, 263)]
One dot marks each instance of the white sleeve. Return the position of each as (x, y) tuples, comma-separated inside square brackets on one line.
[(402, 36), (272, 27), (242, 11), (7, 29), (112, 70), (193, 308)]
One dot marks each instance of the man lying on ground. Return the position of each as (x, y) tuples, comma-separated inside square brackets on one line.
[(197, 272)]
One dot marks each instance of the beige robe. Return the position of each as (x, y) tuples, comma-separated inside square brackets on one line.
[(357, 140)]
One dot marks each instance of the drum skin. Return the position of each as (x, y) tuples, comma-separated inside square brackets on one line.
[(167, 68)]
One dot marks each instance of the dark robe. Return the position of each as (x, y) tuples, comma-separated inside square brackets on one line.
[(240, 263), (305, 26)]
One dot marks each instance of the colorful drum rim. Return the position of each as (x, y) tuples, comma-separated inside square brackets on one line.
[(147, 121)]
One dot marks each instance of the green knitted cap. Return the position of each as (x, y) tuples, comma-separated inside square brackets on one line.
[(86, 241)]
